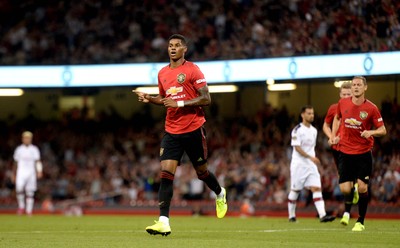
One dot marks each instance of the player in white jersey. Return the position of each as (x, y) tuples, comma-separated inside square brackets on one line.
[(303, 167), (28, 169)]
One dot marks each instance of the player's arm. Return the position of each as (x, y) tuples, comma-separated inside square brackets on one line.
[(306, 155), (327, 129), (39, 168), (379, 132), (146, 98), (203, 99), (333, 139), (14, 173)]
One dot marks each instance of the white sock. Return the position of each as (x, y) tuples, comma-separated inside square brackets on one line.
[(164, 219), (21, 200), (319, 204), (29, 204), (346, 214), (292, 203)]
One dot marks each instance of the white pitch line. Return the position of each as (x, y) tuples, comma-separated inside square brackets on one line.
[(190, 231)]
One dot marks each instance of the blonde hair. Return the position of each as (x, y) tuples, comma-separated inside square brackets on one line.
[(345, 85), (27, 134)]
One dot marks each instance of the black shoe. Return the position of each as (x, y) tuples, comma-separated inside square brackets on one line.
[(293, 219), (327, 218)]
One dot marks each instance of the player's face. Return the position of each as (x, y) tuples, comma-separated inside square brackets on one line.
[(344, 93), (308, 115), (358, 87), (27, 140), (176, 50)]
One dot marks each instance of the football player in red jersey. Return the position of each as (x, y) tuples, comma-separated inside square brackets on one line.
[(183, 91), (345, 91), (360, 121)]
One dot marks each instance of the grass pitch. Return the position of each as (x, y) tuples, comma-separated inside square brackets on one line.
[(210, 232)]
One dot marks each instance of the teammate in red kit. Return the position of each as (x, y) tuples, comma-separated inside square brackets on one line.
[(183, 91), (345, 91), (360, 121)]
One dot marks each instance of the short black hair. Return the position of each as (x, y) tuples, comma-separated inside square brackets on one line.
[(305, 107), (179, 37)]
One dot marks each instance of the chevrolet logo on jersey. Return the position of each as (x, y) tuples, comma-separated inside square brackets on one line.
[(352, 122), (174, 90)]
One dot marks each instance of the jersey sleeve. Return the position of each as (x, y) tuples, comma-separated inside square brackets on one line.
[(377, 118), (37, 154), (296, 137), (330, 114), (198, 78), (161, 90), (338, 113), (16, 155)]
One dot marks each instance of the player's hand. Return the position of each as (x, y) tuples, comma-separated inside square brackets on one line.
[(334, 141), (39, 175), (142, 97), (366, 134), (315, 160), (169, 102)]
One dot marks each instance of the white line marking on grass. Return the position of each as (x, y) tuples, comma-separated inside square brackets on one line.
[(301, 230), (188, 231)]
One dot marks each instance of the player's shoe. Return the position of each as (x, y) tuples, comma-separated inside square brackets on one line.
[(327, 218), (20, 211), (293, 219), (159, 228), (355, 194), (221, 205), (358, 227), (345, 220)]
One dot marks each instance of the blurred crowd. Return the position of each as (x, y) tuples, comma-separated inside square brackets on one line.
[(123, 31), (87, 158)]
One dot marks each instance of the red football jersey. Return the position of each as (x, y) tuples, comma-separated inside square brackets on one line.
[(329, 120), (354, 120), (180, 84)]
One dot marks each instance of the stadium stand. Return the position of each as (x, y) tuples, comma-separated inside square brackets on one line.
[(121, 31), (84, 157), (87, 157)]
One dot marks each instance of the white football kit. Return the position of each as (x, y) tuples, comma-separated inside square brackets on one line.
[(26, 157), (303, 172)]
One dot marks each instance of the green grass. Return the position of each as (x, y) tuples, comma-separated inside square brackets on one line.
[(232, 232)]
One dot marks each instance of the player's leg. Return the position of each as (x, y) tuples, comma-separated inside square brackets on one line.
[(297, 179), (170, 154), (292, 200), (347, 175), (30, 194), (364, 173), (20, 193), (195, 144), (313, 182)]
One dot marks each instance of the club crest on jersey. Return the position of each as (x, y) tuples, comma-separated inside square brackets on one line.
[(161, 151), (363, 115), (181, 78)]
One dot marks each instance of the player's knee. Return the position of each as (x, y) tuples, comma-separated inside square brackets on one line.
[(30, 194), (315, 189), (362, 188)]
